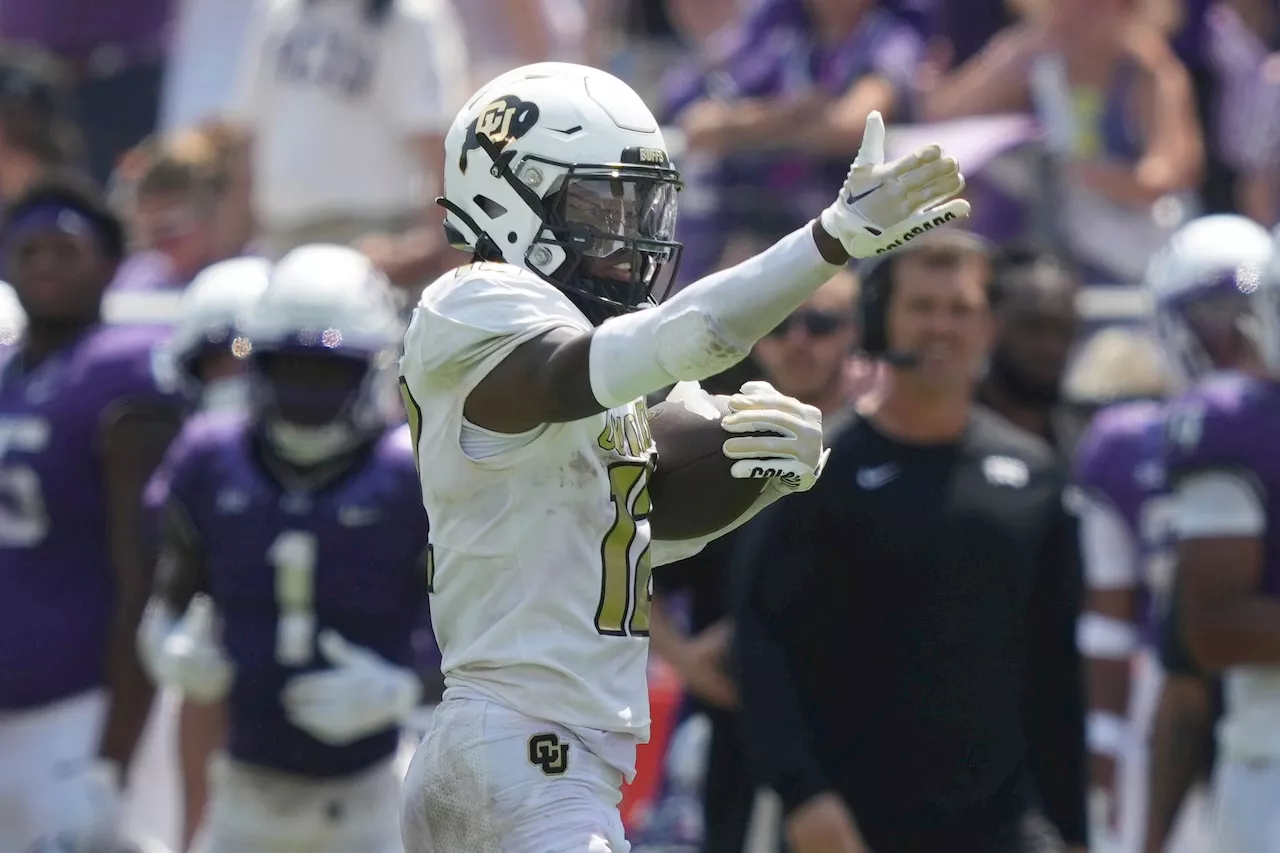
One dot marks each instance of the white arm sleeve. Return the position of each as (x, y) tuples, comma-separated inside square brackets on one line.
[(1107, 546), (709, 326), (1215, 504)]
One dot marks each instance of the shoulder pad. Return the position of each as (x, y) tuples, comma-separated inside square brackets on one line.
[(1224, 422), (1114, 442), (463, 313)]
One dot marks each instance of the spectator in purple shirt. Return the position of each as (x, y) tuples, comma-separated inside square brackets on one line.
[(780, 111), (180, 192), (1242, 43), (113, 51), (1118, 114)]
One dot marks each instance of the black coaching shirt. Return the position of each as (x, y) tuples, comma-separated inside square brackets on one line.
[(906, 638)]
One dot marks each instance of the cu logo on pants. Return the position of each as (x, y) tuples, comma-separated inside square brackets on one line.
[(549, 754)]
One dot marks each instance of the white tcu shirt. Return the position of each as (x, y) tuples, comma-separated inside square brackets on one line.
[(335, 102), (542, 552)]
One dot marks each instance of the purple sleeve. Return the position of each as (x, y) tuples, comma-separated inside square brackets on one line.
[(897, 57), (1213, 427), (175, 478), (144, 272), (742, 62), (1246, 117), (920, 15), (1095, 456), (122, 366), (1189, 41), (1108, 457)]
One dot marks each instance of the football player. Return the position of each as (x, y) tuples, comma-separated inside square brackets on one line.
[(82, 423), (1225, 476), (524, 376), (201, 361), (1200, 282), (295, 532), (203, 358)]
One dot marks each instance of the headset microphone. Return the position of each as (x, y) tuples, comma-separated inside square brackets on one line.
[(877, 286)]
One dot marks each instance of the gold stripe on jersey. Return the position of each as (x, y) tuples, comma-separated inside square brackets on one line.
[(625, 596)]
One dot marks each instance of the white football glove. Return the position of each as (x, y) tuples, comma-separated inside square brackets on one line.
[(776, 437), (360, 695), (89, 811), (884, 205), (187, 656)]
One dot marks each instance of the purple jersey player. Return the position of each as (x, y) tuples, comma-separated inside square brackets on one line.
[(82, 423), (1225, 476), (1198, 282), (294, 543), (1120, 471)]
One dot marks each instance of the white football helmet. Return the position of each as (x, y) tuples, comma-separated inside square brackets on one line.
[(212, 307), (320, 335), (1204, 283), (562, 169)]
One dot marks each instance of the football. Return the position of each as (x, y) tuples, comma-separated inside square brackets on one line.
[(693, 494)]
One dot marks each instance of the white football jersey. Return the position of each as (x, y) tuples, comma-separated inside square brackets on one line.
[(541, 565)]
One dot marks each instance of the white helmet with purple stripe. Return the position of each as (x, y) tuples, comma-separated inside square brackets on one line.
[(321, 334), (1204, 284)]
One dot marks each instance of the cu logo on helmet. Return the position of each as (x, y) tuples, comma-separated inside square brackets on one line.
[(549, 754), (501, 122)]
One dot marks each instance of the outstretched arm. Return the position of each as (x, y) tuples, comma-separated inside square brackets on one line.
[(565, 375)]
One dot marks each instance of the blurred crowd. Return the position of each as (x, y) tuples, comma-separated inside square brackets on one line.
[(1088, 130), (1093, 128)]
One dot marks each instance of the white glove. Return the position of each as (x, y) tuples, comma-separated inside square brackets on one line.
[(883, 205), (777, 437), (362, 694), (185, 657), (88, 805)]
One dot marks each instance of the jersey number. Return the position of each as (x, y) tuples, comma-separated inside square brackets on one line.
[(293, 557), (24, 521), (625, 595)]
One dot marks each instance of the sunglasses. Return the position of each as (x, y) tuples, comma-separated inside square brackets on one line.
[(817, 324)]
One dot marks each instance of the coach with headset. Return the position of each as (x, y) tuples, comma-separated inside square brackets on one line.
[(910, 680)]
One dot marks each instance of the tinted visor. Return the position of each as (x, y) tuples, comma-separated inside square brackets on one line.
[(622, 228), (617, 210), (312, 389)]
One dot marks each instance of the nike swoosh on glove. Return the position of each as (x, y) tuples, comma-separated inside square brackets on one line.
[(775, 436), (187, 656), (360, 695), (884, 205), (88, 804)]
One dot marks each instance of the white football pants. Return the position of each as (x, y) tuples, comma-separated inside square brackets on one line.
[(39, 752), (1247, 795), (255, 810), (1192, 829), (489, 779)]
